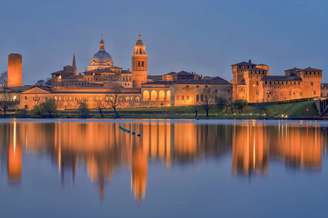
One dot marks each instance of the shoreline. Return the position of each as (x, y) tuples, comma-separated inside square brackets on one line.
[(168, 117)]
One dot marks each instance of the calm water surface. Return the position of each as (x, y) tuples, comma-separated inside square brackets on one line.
[(96, 168)]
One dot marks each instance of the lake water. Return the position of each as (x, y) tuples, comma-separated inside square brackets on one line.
[(97, 168)]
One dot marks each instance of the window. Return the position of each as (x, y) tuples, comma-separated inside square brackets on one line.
[(146, 95), (161, 95), (153, 95)]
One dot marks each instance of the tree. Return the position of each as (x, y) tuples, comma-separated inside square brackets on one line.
[(83, 110), (221, 103), (114, 103), (239, 105), (208, 99), (47, 109), (5, 99), (100, 106)]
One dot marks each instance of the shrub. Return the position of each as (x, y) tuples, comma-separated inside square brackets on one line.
[(47, 109), (239, 105), (221, 104), (83, 110)]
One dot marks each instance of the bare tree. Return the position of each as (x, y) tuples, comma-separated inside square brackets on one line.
[(114, 102), (5, 99), (3, 78), (100, 106), (207, 99)]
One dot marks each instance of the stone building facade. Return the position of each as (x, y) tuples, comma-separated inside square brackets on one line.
[(104, 85), (185, 89), (253, 83)]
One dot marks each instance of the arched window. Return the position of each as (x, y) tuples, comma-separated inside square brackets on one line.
[(161, 95), (153, 95), (145, 95)]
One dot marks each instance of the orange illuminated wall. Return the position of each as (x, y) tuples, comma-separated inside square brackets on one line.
[(15, 70)]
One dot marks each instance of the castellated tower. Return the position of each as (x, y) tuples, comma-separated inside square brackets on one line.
[(15, 70), (139, 63)]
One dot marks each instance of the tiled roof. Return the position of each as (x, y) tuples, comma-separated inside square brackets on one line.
[(308, 69), (311, 69), (213, 80), (281, 78)]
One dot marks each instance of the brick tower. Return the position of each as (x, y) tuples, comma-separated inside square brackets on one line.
[(15, 70), (139, 63)]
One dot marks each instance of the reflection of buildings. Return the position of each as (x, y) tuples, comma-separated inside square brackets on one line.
[(14, 166), (250, 149), (14, 156), (139, 173), (253, 145), (299, 147), (103, 149)]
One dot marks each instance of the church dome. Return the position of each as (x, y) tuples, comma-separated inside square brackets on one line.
[(102, 59)]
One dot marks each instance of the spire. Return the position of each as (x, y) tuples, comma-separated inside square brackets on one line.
[(102, 45), (74, 65), (139, 40)]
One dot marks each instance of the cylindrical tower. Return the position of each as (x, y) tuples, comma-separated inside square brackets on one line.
[(139, 64), (15, 70)]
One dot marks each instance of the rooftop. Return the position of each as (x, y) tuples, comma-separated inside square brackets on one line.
[(281, 78)]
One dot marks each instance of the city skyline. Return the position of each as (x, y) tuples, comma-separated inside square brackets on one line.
[(290, 35)]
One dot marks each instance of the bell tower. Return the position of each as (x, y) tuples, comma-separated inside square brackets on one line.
[(139, 63)]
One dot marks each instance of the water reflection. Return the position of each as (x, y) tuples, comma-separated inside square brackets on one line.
[(102, 148)]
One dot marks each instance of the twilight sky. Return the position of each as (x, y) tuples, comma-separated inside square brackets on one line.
[(204, 36)]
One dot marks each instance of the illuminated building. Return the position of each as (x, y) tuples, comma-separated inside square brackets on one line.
[(252, 83), (139, 64), (103, 81)]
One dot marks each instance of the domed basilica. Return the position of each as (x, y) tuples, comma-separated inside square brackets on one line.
[(102, 73), (101, 59)]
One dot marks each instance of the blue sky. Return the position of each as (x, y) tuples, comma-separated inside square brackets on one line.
[(205, 36)]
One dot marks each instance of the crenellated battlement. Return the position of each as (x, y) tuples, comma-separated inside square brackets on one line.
[(252, 83)]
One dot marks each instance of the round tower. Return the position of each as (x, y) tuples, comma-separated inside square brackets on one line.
[(15, 70), (139, 63)]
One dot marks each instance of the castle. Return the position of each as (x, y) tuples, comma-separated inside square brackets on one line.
[(103, 84), (252, 83)]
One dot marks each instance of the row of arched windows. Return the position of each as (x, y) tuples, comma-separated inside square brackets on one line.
[(155, 95)]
